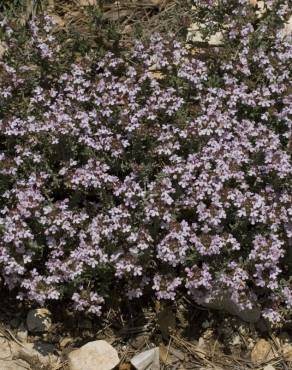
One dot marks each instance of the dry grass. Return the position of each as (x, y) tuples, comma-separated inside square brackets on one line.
[(128, 18)]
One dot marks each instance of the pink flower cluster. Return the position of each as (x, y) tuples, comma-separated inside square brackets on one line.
[(158, 170)]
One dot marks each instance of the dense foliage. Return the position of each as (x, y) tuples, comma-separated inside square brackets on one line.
[(160, 170)]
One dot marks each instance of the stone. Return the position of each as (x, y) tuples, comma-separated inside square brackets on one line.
[(39, 320), (14, 365), (7, 354), (263, 325), (166, 321), (262, 352), (261, 9), (216, 39), (260, 6), (40, 352), (287, 29), (147, 360), (5, 350), (139, 341), (224, 302), (97, 355), (195, 35), (43, 348), (269, 367), (287, 352), (87, 2)]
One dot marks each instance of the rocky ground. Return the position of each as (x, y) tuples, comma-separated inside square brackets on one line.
[(158, 338)]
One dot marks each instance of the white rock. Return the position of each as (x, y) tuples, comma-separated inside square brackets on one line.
[(13, 365), (216, 39), (41, 352), (287, 352), (260, 5), (261, 9), (5, 350), (87, 2), (269, 367), (39, 320), (97, 355), (287, 29), (147, 360), (195, 35), (7, 354), (14, 356)]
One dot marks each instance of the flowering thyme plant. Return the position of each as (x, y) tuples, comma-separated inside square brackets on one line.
[(161, 170)]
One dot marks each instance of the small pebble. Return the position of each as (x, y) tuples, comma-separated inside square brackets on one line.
[(38, 320)]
